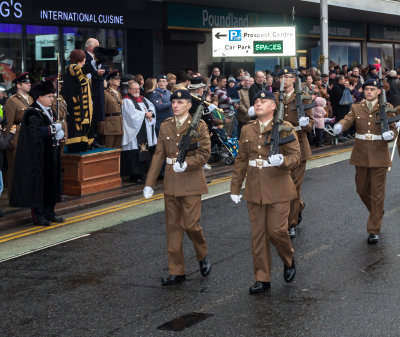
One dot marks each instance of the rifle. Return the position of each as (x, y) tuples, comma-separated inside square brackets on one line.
[(184, 145), (300, 107), (384, 109), (275, 140)]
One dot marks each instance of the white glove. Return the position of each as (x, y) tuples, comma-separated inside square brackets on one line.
[(276, 159), (148, 192), (388, 135), (59, 135), (236, 198), (303, 121), (177, 167), (398, 124), (58, 126), (338, 128), (251, 111)]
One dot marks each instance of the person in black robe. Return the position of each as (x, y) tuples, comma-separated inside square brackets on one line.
[(37, 171)]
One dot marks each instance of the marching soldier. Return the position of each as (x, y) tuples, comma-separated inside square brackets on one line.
[(268, 191), (302, 126), (183, 187), (370, 154), (14, 110), (112, 127)]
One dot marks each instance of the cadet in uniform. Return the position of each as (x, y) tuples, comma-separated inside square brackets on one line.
[(111, 128), (268, 191), (183, 187), (14, 110), (302, 126), (370, 154)]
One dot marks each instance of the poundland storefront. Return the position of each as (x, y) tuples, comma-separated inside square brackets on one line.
[(31, 33)]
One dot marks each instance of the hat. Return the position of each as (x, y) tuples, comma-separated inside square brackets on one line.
[(286, 70), (392, 73), (161, 77), (195, 83), (22, 78), (325, 75), (301, 68), (371, 83), (50, 77), (231, 79), (181, 94), (264, 94), (126, 78), (42, 89), (371, 67), (113, 74)]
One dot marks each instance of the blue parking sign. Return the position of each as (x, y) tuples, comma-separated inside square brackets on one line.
[(235, 35)]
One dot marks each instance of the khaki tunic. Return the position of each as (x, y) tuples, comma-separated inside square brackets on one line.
[(268, 192), (112, 126), (14, 110), (371, 158), (182, 190)]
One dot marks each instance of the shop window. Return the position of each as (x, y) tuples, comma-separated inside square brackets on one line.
[(340, 53), (11, 52), (383, 51), (42, 46), (76, 37), (397, 56)]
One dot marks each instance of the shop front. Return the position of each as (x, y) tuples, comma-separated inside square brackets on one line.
[(384, 43), (32, 33)]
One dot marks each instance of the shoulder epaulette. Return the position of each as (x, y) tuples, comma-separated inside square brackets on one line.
[(168, 119)]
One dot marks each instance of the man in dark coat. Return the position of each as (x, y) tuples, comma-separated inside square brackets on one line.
[(37, 171)]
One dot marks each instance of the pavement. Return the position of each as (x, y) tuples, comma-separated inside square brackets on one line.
[(107, 282)]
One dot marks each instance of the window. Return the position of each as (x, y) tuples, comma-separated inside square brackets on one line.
[(11, 52), (383, 51)]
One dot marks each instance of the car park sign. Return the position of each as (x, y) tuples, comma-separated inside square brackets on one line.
[(253, 42)]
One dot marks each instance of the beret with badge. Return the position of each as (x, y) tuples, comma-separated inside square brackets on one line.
[(286, 71), (113, 75), (181, 94), (264, 94), (371, 83)]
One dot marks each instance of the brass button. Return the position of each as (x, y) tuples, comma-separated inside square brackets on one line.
[(177, 144), (370, 115), (369, 123), (178, 134), (285, 106), (286, 115), (177, 153), (259, 146), (259, 157), (167, 137), (368, 131), (358, 117), (259, 136)]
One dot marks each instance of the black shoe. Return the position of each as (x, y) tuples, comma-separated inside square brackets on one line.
[(205, 266), (373, 238), (56, 219), (42, 223), (289, 272), (299, 218), (320, 145), (97, 145), (292, 233), (259, 287), (173, 279)]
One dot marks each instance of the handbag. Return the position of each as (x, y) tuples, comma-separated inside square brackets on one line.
[(346, 98)]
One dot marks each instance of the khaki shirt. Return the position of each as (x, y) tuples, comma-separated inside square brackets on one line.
[(192, 181), (267, 185), (113, 122), (291, 117), (368, 153)]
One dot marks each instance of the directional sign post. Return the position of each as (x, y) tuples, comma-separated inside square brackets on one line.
[(253, 42)]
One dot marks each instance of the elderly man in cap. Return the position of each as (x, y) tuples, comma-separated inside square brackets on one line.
[(37, 175), (183, 187), (14, 110), (161, 99), (370, 154), (111, 128), (268, 191), (301, 125)]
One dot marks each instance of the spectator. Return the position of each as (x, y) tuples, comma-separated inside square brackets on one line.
[(258, 85), (355, 72), (277, 70), (372, 73), (339, 111), (355, 91), (224, 102), (139, 139), (139, 79), (126, 80), (319, 115), (244, 105), (309, 86), (251, 81), (216, 72), (171, 78), (150, 85), (162, 102), (303, 74), (232, 89), (332, 78), (393, 95), (269, 80), (325, 81)]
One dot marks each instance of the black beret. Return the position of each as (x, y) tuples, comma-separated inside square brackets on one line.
[(113, 74), (264, 94), (42, 89), (371, 83), (286, 70), (22, 78), (301, 68), (181, 94), (161, 77)]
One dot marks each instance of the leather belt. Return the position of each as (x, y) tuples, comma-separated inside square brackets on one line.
[(297, 128), (112, 115), (171, 161), (368, 136), (259, 163)]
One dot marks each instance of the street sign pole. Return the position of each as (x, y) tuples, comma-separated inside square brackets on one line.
[(324, 37)]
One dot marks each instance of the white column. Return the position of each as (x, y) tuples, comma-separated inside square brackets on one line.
[(324, 35)]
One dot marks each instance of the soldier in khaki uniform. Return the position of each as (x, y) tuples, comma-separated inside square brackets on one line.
[(112, 127), (183, 186), (14, 110), (302, 126), (370, 154), (268, 191)]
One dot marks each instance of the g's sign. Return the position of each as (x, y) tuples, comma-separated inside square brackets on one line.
[(11, 9)]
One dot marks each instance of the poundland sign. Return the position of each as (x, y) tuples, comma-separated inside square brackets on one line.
[(182, 16)]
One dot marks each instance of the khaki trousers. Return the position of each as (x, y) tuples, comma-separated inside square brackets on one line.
[(182, 214), (113, 142), (296, 205), (371, 184), (269, 224)]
